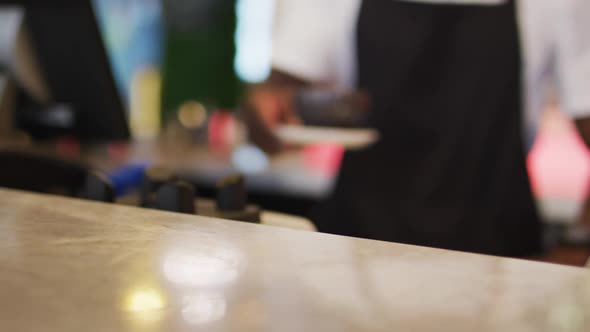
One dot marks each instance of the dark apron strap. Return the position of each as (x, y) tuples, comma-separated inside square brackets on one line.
[(450, 169)]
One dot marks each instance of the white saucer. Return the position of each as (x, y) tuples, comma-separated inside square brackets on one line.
[(352, 139)]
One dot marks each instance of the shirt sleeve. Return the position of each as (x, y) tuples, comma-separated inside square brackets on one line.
[(573, 58), (310, 38), (315, 39)]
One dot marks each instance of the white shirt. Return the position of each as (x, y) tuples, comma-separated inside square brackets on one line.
[(314, 40)]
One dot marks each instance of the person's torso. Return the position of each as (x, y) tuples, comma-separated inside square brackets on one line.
[(449, 170)]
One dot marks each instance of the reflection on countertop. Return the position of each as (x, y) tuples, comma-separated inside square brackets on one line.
[(69, 265)]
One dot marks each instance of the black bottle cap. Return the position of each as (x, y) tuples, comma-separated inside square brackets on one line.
[(154, 178), (98, 187), (231, 193), (176, 196)]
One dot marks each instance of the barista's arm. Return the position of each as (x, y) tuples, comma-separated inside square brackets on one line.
[(573, 68)]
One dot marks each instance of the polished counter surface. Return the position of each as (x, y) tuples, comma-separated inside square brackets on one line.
[(68, 265)]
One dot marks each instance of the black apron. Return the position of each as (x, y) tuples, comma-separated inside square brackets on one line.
[(449, 171)]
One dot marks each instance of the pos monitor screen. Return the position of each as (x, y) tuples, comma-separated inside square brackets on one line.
[(70, 52)]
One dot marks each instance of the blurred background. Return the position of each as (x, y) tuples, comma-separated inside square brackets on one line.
[(559, 163), (180, 69)]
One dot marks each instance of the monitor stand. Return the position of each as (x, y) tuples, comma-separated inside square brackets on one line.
[(7, 104), (19, 70), (9, 134)]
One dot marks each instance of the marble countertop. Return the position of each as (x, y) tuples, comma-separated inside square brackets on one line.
[(68, 265)]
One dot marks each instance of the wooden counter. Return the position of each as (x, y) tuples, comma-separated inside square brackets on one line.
[(73, 266)]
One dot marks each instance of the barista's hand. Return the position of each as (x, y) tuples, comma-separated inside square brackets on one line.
[(268, 106)]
